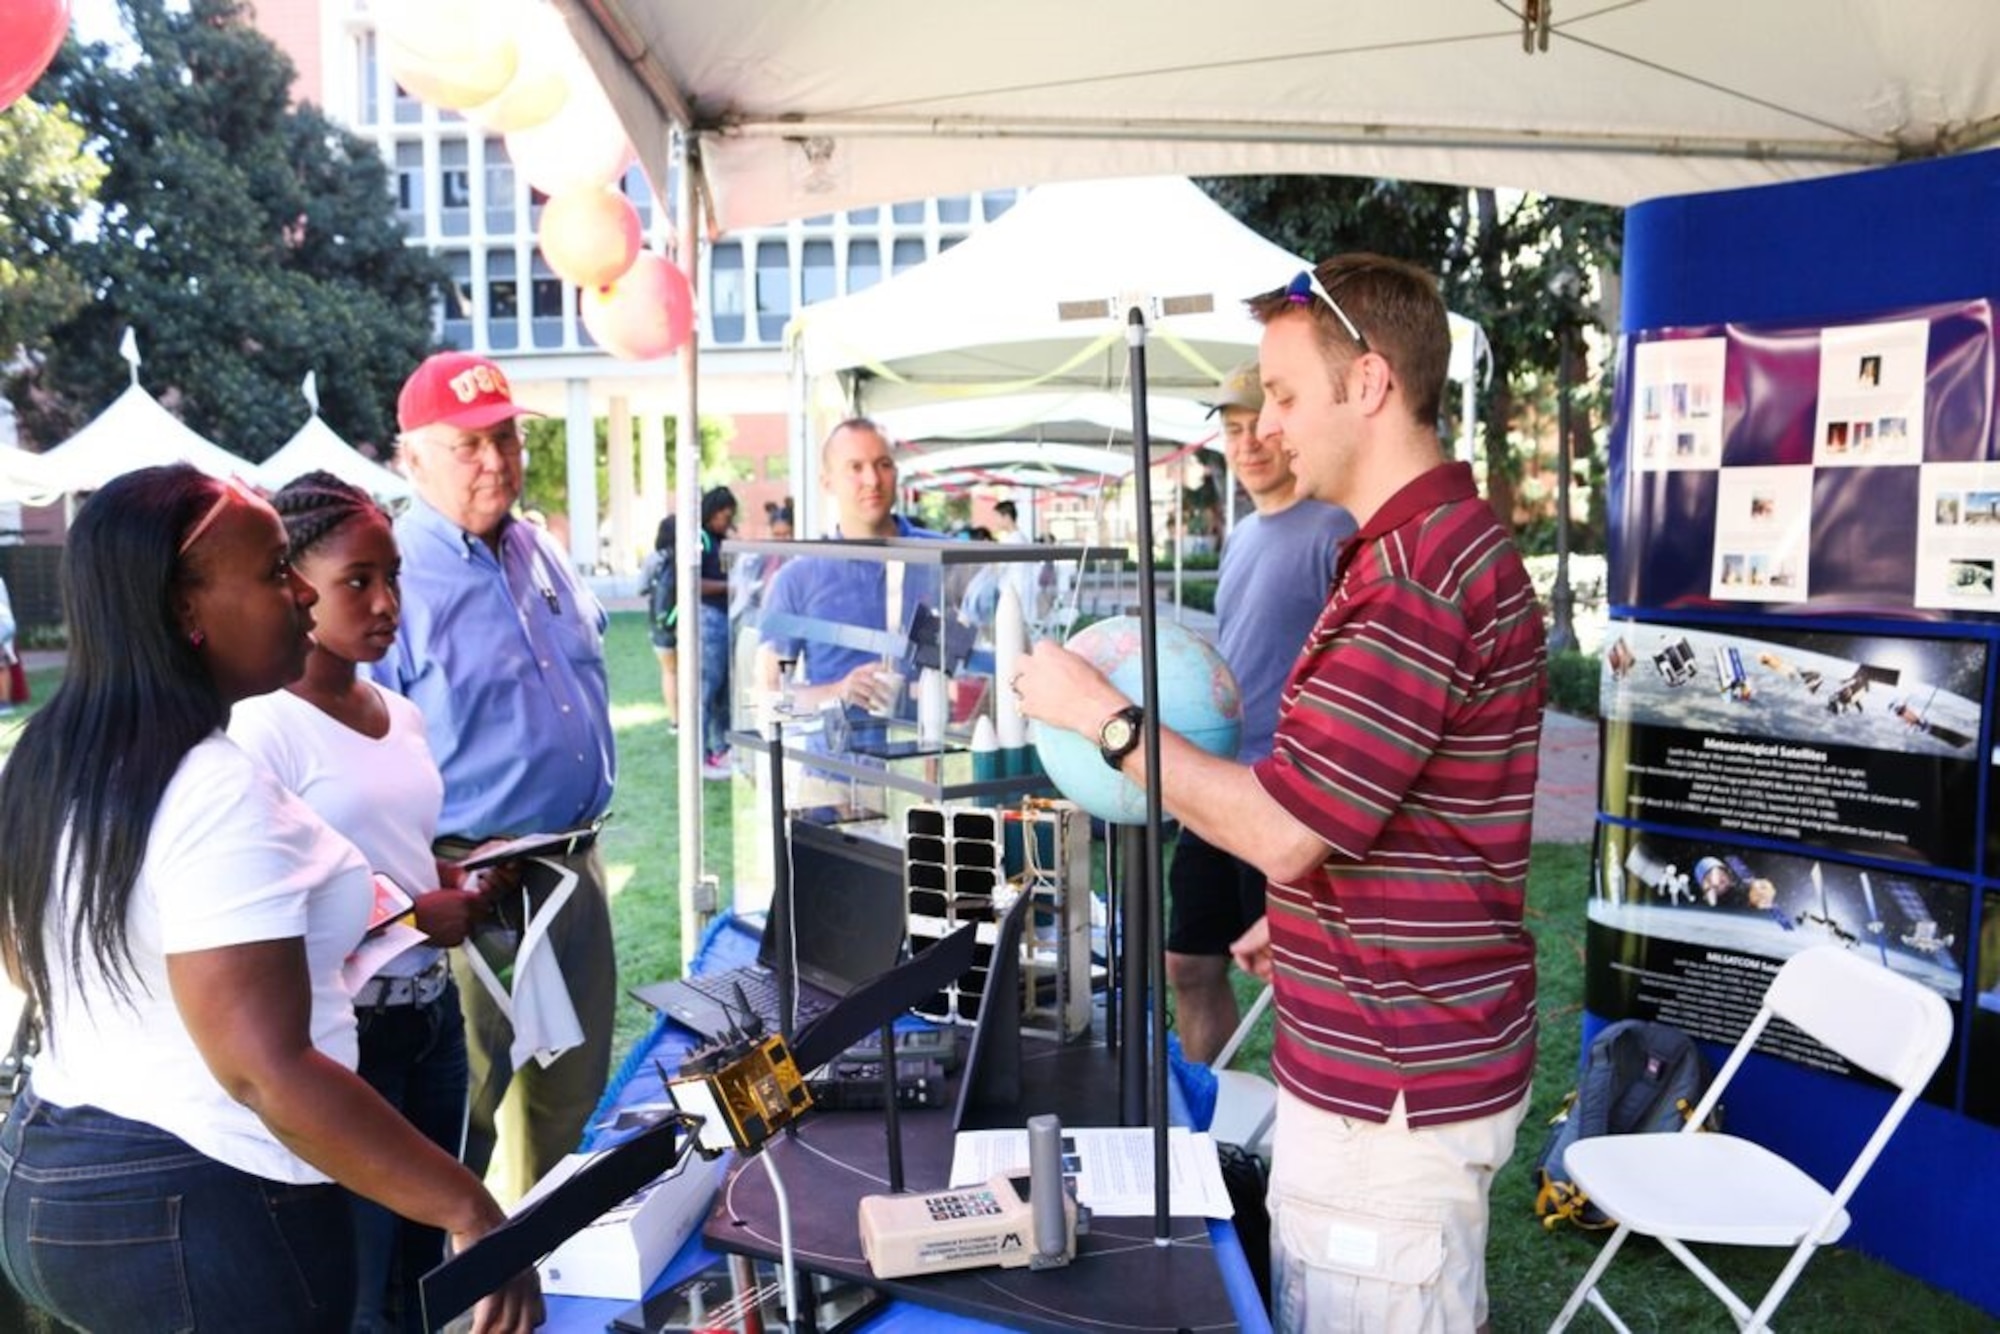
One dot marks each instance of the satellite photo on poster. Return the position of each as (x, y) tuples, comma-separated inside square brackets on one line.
[(1862, 743), (1691, 931)]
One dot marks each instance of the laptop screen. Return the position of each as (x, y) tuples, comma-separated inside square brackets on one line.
[(847, 906)]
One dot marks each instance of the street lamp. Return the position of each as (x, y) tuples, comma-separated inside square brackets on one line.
[(1563, 285)]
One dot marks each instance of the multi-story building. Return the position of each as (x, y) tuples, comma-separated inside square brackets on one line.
[(459, 197)]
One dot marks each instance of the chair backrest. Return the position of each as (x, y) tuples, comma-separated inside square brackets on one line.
[(1888, 1024)]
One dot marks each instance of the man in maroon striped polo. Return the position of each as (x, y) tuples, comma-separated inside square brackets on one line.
[(1392, 817)]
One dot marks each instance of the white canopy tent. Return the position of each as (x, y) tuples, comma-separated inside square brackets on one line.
[(134, 432), (1026, 320), (801, 107), (314, 447)]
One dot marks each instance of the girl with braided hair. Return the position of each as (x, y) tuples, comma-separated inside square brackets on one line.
[(357, 754)]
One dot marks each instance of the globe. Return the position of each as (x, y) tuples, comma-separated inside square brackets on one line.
[(1199, 699)]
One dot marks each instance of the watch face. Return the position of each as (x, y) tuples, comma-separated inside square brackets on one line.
[(1117, 733)]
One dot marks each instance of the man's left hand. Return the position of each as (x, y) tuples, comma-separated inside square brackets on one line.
[(1057, 687)]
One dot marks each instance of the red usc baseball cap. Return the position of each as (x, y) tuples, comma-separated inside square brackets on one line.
[(457, 389)]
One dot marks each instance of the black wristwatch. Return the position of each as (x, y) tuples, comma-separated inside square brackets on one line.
[(1121, 734)]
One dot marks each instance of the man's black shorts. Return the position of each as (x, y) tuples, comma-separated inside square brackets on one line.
[(1212, 897)]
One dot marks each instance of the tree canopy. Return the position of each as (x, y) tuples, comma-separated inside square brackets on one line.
[(1526, 269), (46, 180), (247, 241)]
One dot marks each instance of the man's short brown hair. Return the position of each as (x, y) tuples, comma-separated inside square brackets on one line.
[(1397, 309)]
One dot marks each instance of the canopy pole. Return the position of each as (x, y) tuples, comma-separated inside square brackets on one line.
[(686, 557)]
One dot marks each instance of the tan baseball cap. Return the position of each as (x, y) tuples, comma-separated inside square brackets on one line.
[(1241, 388)]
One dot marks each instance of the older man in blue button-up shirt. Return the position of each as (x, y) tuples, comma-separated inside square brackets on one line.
[(502, 648)]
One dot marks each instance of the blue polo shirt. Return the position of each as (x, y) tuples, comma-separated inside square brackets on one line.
[(843, 592), (505, 657)]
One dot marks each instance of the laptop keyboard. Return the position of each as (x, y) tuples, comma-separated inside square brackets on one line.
[(760, 989)]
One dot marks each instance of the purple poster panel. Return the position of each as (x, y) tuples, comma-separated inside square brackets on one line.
[(1820, 469), (1860, 743), (1691, 931)]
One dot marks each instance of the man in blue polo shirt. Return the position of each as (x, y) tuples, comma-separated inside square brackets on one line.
[(502, 649), (850, 599)]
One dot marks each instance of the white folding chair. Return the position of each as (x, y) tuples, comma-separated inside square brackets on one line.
[(1246, 1105), (1715, 1188)]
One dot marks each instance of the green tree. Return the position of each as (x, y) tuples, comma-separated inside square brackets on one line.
[(245, 240), (1523, 268), (545, 485), (47, 179)]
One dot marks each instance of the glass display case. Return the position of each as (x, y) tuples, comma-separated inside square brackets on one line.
[(876, 668)]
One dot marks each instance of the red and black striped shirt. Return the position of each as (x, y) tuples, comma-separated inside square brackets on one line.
[(1407, 740)]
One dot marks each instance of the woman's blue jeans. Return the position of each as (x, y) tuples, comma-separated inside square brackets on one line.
[(114, 1225), (714, 680), (414, 1056)]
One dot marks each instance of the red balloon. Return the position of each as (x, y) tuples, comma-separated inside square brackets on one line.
[(29, 39), (647, 313), (589, 237)]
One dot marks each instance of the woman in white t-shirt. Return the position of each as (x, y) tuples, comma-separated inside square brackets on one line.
[(181, 921), (357, 755)]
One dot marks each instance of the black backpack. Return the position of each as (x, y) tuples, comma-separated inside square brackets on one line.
[(1640, 1077)]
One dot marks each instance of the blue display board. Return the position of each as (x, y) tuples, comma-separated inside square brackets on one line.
[(1800, 675)]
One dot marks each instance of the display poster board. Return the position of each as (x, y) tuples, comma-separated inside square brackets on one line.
[(1797, 687)]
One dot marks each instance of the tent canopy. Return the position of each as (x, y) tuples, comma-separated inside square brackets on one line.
[(802, 107), (314, 447), (26, 478), (134, 432)]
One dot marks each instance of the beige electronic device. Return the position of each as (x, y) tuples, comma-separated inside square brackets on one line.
[(1010, 1221)]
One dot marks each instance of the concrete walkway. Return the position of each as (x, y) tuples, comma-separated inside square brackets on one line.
[(1566, 788)]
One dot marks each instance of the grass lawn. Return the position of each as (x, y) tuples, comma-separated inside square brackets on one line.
[(1531, 1271)]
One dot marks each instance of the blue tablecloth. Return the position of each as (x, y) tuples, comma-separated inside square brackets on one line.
[(730, 942)]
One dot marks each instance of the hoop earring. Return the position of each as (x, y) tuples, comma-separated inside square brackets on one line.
[(197, 638)]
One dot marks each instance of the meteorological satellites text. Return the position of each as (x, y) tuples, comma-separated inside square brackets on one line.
[(1763, 787)]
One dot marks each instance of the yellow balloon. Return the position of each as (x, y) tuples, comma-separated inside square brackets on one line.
[(448, 53), (540, 87)]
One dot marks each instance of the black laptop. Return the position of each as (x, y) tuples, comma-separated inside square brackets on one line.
[(848, 903)]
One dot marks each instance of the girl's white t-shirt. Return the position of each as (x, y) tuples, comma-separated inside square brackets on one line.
[(231, 859), (383, 794)]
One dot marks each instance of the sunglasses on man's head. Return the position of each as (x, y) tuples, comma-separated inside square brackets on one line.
[(1302, 290)]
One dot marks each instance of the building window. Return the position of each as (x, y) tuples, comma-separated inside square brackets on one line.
[(640, 192), (499, 188), (774, 291), (725, 292), (550, 308), (909, 253), (947, 242), (955, 208), (454, 188), (367, 102), (816, 278), (864, 265), (410, 186), (503, 302), (409, 111), (457, 330), (911, 210), (863, 217), (999, 201)]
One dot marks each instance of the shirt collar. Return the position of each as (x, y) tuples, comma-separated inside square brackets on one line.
[(427, 518), (1442, 485)]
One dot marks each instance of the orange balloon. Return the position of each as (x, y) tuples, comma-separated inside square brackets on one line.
[(29, 39), (648, 313), (589, 237), (549, 63)]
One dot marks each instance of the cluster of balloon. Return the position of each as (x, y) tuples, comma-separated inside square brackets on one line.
[(30, 36), (513, 69)]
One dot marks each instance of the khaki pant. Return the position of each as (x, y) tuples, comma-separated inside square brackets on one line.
[(1378, 1227), (523, 1122)]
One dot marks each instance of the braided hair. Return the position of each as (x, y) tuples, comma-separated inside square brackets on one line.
[(314, 505)]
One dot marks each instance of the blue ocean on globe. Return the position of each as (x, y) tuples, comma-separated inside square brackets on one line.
[(1199, 699)]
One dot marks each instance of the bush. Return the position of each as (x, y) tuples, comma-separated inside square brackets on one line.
[(1573, 678)]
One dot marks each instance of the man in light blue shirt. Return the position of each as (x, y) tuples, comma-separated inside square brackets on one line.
[(851, 598), (502, 649)]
